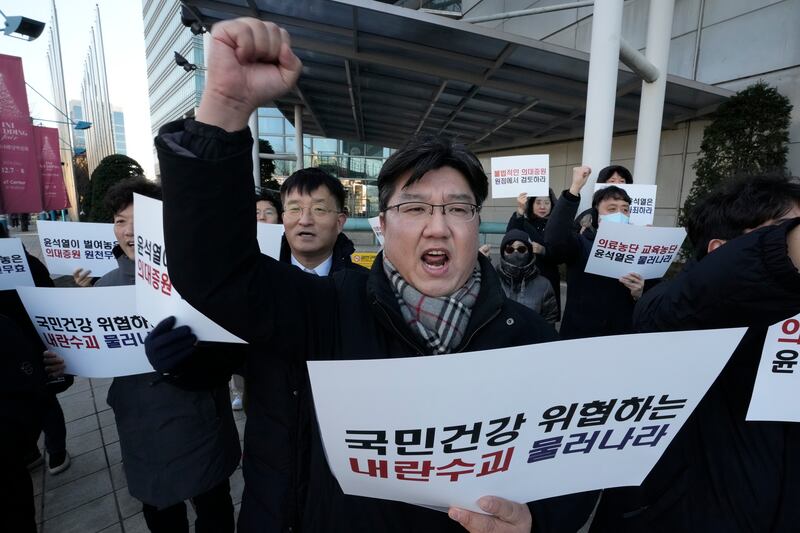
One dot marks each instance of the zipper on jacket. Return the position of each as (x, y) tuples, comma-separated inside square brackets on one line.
[(475, 332), (399, 334)]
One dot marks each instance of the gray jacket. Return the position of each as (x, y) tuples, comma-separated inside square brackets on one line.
[(524, 285), (175, 443)]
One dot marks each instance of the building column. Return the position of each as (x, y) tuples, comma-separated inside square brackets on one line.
[(601, 91), (651, 107), (298, 136), (252, 123)]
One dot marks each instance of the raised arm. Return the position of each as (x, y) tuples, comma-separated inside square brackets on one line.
[(752, 280), (209, 228), (560, 238)]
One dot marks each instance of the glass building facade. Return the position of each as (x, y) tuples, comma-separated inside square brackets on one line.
[(76, 113), (174, 92), (118, 122), (356, 164)]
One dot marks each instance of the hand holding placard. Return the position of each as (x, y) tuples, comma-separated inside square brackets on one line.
[(504, 516), (522, 199)]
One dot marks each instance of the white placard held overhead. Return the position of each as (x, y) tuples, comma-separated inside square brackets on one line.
[(70, 245), (776, 394), (643, 201), (269, 239), (550, 419), (14, 268), (96, 331), (375, 224), (516, 174), (621, 249), (156, 298)]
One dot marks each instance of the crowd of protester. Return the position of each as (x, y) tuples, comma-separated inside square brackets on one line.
[(430, 291)]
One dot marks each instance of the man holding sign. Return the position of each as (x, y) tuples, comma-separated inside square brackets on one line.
[(723, 473), (428, 293), (596, 305), (175, 444)]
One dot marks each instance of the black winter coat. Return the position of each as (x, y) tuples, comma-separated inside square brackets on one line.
[(722, 473), (277, 447), (596, 305), (23, 394), (548, 268), (294, 315), (175, 443)]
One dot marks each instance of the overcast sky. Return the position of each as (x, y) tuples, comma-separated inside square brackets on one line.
[(123, 38)]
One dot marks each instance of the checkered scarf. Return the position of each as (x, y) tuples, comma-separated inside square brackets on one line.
[(440, 322)]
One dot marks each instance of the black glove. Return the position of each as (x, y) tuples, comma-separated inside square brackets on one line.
[(167, 348)]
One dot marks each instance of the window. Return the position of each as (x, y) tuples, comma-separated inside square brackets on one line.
[(276, 142), (325, 146)]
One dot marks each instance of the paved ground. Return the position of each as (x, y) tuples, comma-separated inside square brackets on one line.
[(92, 494)]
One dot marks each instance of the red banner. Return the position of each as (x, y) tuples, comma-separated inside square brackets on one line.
[(54, 192), (20, 186)]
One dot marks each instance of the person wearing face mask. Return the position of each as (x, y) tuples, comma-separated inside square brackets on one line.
[(613, 175), (596, 305), (531, 217), (520, 279)]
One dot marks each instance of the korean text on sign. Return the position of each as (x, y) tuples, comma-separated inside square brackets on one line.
[(516, 174), (643, 201), (67, 246), (14, 269), (156, 297), (413, 429), (776, 393), (620, 249), (97, 330)]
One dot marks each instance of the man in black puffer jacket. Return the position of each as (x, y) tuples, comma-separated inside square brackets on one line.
[(596, 305), (723, 473), (430, 195)]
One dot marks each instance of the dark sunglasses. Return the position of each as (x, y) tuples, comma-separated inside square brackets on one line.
[(511, 249)]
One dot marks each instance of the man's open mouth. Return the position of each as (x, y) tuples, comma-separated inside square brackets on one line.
[(435, 259)]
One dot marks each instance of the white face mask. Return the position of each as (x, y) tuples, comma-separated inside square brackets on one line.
[(620, 218)]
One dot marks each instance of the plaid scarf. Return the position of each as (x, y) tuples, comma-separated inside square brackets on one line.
[(440, 322)]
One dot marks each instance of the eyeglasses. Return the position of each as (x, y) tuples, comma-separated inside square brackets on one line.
[(317, 211), (462, 212), (511, 249), (268, 212)]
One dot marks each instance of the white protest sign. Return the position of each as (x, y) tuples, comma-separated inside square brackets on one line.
[(269, 239), (643, 201), (70, 245), (97, 331), (516, 174), (375, 224), (777, 387), (523, 423), (156, 298), (14, 269), (621, 249)]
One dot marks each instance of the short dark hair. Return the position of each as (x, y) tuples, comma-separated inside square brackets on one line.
[(612, 192), (429, 152), (739, 204), (120, 195), (605, 174), (308, 180), (273, 197)]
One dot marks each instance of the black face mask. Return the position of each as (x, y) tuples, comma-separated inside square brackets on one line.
[(518, 259)]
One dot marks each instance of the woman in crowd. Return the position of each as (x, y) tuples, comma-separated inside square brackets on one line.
[(531, 217)]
